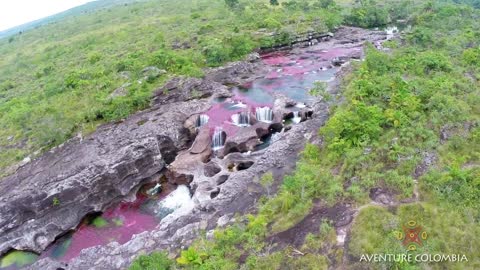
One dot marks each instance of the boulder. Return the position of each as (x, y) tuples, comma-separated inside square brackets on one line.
[(282, 108), (338, 61), (235, 73), (119, 92), (202, 143), (152, 72), (211, 169), (191, 123), (246, 139), (253, 57), (263, 129), (125, 75), (177, 178), (191, 159), (184, 89)]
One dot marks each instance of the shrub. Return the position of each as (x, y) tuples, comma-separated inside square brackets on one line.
[(215, 53), (6, 85), (431, 61), (319, 89), (265, 262), (359, 126), (195, 15), (191, 257), (94, 57), (421, 36), (471, 56), (204, 29), (168, 60), (447, 109), (460, 187), (270, 23), (284, 36), (240, 45), (154, 261)]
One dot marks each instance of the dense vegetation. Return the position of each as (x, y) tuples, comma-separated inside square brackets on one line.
[(418, 100)]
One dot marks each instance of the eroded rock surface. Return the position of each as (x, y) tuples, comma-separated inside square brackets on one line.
[(185, 89), (52, 194)]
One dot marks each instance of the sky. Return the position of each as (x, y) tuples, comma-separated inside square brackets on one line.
[(17, 12)]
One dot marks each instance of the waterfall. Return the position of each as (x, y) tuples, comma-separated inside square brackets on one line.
[(218, 139), (296, 117), (176, 204), (241, 119), (202, 120), (391, 31), (264, 114), (178, 198)]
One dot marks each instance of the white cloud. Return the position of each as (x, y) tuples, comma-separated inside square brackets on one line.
[(17, 12)]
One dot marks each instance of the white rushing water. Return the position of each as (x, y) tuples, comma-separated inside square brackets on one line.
[(218, 139), (300, 105), (296, 117), (177, 203), (264, 114), (202, 120), (241, 119), (391, 31), (179, 198)]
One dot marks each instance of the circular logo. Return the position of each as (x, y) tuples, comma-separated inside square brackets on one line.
[(412, 236)]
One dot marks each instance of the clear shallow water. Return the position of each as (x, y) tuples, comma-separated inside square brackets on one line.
[(290, 74)]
